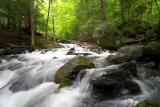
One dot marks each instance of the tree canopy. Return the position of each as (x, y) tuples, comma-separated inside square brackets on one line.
[(80, 19)]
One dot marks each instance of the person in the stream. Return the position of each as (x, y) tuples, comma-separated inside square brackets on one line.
[(85, 46)]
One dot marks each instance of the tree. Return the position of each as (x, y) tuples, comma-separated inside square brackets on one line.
[(49, 6), (158, 10), (32, 23), (122, 11)]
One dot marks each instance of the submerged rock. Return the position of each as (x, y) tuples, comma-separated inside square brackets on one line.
[(72, 68), (114, 84)]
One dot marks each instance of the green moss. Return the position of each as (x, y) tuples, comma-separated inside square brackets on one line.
[(149, 104), (64, 83), (153, 45), (84, 60)]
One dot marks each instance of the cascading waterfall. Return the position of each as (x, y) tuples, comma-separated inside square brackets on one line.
[(26, 80)]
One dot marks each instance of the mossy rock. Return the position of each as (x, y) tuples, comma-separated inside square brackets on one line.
[(126, 54), (152, 52), (73, 67), (149, 104), (153, 45), (110, 42), (65, 82)]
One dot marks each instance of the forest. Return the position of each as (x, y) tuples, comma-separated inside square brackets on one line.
[(79, 53), (85, 20)]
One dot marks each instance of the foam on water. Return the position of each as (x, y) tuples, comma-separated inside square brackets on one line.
[(26, 80)]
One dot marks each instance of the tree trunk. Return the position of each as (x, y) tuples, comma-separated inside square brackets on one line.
[(158, 10), (53, 29), (8, 19), (32, 23), (103, 13), (122, 12), (49, 5)]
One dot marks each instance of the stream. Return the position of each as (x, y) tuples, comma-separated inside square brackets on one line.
[(26, 80)]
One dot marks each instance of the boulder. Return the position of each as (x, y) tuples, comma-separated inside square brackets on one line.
[(130, 66), (72, 68), (113, 84), (118, 58), (127, 53), (110, 42), (133, 51), (150, 65), (152, 52)]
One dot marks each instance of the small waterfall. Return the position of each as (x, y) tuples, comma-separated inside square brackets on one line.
[(26, 80)]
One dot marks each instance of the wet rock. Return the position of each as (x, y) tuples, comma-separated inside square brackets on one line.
[(72, 68), (11, 51), (118, 58), (152, 52), (149, 65), (111, 42), (112, 85), (148, 72), (127, 53), (133, 51), (131, 67), (65, 82), (71, 51)]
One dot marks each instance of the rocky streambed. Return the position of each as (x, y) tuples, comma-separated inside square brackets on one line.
[(51, 78)]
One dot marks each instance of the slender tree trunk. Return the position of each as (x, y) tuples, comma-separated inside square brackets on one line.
[(35, 17), (53, 28), (103, 13), (122, 12), (32, 23), (49, 5), (158, 10), (8, 19)]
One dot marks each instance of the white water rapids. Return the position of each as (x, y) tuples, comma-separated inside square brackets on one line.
[(26, 80)]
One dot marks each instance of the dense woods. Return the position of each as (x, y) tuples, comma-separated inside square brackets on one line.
[(81, 19)]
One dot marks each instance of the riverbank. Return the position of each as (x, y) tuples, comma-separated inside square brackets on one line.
[(15, 42)]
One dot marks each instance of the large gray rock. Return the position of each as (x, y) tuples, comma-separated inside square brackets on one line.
[(127, 53), (133, 51), (129, 66), (152, 52), (72, 68), (117, 83)]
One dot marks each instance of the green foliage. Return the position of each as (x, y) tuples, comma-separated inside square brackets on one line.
[(85, 20)]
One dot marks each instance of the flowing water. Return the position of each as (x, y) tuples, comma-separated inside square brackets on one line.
[(26, 80)]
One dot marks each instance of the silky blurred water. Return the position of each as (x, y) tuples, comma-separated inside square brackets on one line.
[(26, 80)]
